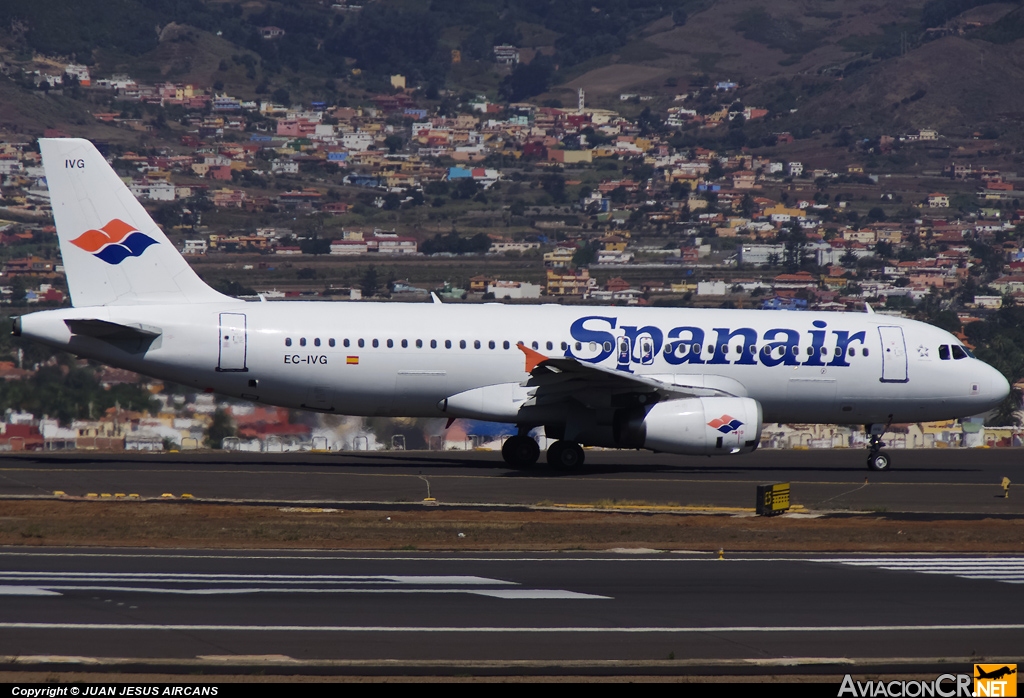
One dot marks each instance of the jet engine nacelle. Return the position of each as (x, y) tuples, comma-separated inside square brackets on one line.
[(702, 426)]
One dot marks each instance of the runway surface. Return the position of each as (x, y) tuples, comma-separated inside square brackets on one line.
[(933, 481), (644, 612)]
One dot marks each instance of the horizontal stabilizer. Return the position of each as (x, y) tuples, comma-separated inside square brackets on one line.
[(111, 331)]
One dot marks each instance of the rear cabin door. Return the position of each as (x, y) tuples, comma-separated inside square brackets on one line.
[(894, 355), (232, 342)]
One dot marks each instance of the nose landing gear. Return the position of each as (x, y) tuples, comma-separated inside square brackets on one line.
[(877, 458)]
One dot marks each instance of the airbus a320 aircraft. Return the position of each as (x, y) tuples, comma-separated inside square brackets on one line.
[(681, 381)]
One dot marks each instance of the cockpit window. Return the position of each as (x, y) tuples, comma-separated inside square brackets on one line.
[(944, 352), (958, 352)]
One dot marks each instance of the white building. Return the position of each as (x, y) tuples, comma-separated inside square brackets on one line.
[(514, 289), (195, 247)]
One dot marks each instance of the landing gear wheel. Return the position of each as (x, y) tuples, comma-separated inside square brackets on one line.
[(520, 451), (879, 461), (565, 455)]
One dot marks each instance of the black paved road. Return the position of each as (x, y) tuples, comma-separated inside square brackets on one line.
[(934, 481), (674, 613)]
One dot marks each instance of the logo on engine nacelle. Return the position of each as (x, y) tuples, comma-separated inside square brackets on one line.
[(725, 424)]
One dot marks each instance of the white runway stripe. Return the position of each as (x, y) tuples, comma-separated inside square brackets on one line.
[(144, 627), (493, 593), (25, 591), (257, 578), (58, 583), (1009, 570)]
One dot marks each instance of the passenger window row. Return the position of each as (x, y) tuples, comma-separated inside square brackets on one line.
[(434, 343), (681, 348)]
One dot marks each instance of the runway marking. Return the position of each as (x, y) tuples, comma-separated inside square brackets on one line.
[(255, 578), (57, 583), (25, 591), (536, 594), (761, 629), (493, 593), (1009, 570)]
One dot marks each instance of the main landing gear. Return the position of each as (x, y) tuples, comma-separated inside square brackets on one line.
[(877, 458), (521, 451), (565, 455)]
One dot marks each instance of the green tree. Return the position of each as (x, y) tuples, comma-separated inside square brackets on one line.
[(370, 282), (220, 428)]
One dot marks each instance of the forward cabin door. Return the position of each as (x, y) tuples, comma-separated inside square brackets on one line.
[(232, 342), (894, 355)]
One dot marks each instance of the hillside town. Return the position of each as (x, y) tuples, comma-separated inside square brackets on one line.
[(534, 203)]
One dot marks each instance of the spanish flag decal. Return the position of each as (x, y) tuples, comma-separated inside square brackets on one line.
[(351, 359)]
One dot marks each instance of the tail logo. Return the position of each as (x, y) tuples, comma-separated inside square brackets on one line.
[(114, 242), (725, 424)]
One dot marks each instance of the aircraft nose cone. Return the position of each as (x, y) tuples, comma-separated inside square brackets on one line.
[(998, 387)]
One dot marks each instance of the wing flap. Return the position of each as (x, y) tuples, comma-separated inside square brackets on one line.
[(563, 378)]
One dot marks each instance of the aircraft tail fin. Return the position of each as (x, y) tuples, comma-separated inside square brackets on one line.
[(113, 252)]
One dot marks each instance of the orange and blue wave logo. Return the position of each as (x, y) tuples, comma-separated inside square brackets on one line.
[(114, 242), (725, 424)]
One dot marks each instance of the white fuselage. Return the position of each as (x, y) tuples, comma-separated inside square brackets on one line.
[(395, 359)]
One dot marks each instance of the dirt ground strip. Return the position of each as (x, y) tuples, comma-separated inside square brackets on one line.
[(199, 525)]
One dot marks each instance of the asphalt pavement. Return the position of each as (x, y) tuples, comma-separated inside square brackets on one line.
[(940, 482), (538, 613)]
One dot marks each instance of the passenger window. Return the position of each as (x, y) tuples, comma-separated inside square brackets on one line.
[(361, 343), (851, 351), (565, 346), (462, 344), (958, 352), (944, 352), (668, 348), (490, 344), (391, 344), (839, 351), (447, 344), (476, 344), (536, 345), (696, 348), (724, 348), (376, 344), (796, 350), (864, 351), (505, 344), (287, 341), (302, 341), (607, 346), (782, 351), (753, 349), (345, 343), (316, 342), (810, 350), (550, 345), (824, 351), (330, 342), (405, 343), (579, 346), (419, 343)]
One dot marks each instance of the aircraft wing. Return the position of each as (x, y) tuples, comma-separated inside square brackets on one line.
[(563, 378)]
